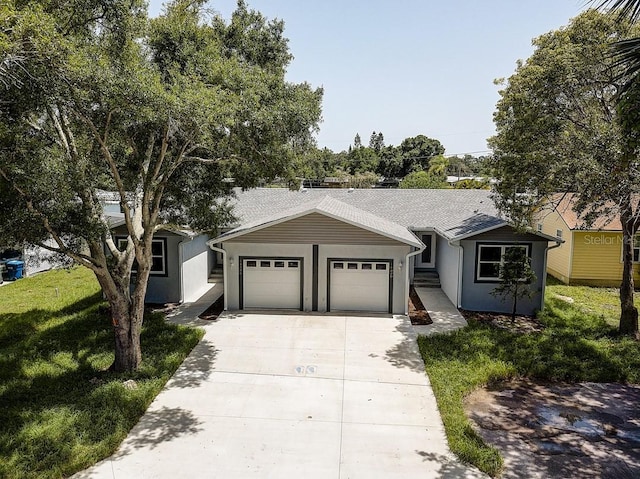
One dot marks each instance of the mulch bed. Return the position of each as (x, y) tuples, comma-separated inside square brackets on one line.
[(213, 311), (417, 312), (522, 324)]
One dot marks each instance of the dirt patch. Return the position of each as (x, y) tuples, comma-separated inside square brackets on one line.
[(213, 311), (581, 430), (522, 324), (417, 312)]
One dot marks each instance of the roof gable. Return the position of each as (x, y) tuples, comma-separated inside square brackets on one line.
[(330, 208)]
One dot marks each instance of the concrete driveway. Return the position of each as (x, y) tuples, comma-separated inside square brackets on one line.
[(291, 395)]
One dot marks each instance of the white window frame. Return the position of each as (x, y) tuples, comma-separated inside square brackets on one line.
[(503, 247), (121, 243)]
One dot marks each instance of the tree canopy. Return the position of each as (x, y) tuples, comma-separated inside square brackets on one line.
[(97, 96), (559, 131)]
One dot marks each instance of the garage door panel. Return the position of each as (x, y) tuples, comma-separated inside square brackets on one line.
[(272, 284), (359, 286)]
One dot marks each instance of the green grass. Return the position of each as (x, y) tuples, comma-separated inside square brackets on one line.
[(61, 410), (579, 343)]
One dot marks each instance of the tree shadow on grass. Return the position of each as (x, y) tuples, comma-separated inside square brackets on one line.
[(57, 393)]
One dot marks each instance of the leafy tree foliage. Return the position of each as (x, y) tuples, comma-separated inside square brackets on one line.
[(98, 96), (559, 130), (423, 180), (472, 185), (376, 142)]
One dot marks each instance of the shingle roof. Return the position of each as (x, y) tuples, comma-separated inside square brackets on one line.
[(564, 204), (335, 209), (452, 213)]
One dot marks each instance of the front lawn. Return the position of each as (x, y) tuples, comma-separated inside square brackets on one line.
[(579, 342), (61, 410)]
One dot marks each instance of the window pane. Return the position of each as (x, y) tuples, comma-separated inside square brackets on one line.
[(511, 248), (489, 270), (293, 264), (381, 266), (636, 255), (265, 264), (157, 248), (352, 266), (490, 253), (251, 264), (157, 264), (366, 265), (278, 264), (338, 265)]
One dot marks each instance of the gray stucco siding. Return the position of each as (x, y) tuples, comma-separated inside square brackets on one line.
[(476, 295), (164, 288)]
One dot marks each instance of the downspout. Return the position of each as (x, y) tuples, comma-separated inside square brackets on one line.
[(406, 283), (460, 269), (225, 267), (544, 270)]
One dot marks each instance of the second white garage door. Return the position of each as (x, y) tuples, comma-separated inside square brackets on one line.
[(272, 283), (359, 286)]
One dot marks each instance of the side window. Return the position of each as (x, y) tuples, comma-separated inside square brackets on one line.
[(158, 255), (490, 258)]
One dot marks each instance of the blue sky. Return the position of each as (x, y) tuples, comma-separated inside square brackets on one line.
[(408, 67)]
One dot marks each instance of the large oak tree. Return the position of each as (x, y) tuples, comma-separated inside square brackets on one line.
[(560, 130), (95, 95)]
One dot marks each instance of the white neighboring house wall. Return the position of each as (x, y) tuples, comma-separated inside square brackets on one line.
[(448, 267), (37, 259), (195, 268)]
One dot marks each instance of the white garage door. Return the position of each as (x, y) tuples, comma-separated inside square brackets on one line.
[(271, 283), (359, 286)]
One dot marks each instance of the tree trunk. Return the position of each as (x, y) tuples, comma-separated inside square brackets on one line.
[(127, 324), (127, 313), (515, 304), (629, 313)]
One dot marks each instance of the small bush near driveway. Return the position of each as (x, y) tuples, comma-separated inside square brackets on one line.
[(61, 410)]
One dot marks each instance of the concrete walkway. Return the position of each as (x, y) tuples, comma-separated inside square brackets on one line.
[(443, 313), (292, 395)]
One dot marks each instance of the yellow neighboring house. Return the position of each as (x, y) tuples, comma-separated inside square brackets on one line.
[(588, 256)]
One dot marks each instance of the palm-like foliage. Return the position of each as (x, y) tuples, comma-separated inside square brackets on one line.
[(629, 9), (627, 52)]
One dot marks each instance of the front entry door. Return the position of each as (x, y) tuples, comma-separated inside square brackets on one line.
[(428, 258)]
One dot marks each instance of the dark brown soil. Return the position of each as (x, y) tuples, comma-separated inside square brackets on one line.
[(417, 312), (213, 311), (586, 430), (522, 324)]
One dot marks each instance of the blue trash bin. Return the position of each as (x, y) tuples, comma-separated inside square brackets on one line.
[(15, 269)]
